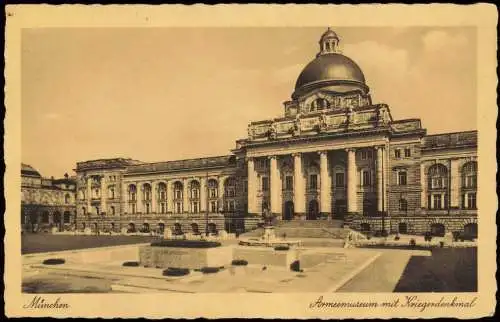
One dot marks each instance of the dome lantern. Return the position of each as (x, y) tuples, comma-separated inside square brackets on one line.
[(328, 43)]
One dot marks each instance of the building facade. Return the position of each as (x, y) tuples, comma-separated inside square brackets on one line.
[(46, 202), (333, 155)]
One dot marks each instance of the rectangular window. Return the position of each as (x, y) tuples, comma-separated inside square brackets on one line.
[(265, 184), (402, 178), (407, 153), (213, 193), (289, 183), (363, 155), (471, 201), (313, 181), (397, 153), (369, 154), (365, 178), (162, 208), (162, 195), (195, 207), (178, 207), (437, 202), (231, 205), (178, 194), (213, 206), (339, 179)]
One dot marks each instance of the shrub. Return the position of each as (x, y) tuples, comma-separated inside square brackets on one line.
[(54, 261), (131, 264), (239, 262), (209, 270), (396, 237), (174, 271), (456, 235), (413, 243), (441, 244), (282, 247), (186, 243), (295, 266)]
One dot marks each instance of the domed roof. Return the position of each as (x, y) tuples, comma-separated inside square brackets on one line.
[(26, 169), (330, 67), (328, 34)]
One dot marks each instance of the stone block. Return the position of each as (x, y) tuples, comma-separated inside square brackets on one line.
[(192, 258)]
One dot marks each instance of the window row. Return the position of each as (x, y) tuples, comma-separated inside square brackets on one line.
[(398, 154)]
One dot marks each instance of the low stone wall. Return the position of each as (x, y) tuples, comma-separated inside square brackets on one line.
[(86, 256), (193, 258)]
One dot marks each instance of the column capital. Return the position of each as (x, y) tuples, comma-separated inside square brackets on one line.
[(296, 154), (379, 147), (271, 157), (323, 152), (248, 159), (350, 150)]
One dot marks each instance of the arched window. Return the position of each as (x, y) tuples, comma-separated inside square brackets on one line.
[(178, 190), (132, 193), (162, 191), (230, 188), (438, 174), (212, 188), (147, 191), (469, 175), (195, 189), (111, 192)]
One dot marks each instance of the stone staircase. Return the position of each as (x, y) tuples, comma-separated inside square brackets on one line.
[(332, 229)]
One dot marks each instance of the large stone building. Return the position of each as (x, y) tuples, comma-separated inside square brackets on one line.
[(333, 155), (46, 202)]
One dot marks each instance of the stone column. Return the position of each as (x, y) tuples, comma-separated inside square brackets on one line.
[(185, 196), (423, 187), (252, 187), (104, 195), (170, 197), (380, 178), (325, 185), (274, 185), (220, 193), (299, 190), (154, 192), (203, 194), (455, 183), (140, 197), (352, 203), (89, 194)]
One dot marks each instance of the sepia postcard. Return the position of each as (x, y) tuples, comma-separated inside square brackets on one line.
[(250, 161)]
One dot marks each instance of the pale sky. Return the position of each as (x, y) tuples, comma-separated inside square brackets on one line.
[(158, 94)]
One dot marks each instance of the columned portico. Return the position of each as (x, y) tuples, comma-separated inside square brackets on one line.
[(298, 186), (325, 185), (252, 187), (275, 186), (352, 203)]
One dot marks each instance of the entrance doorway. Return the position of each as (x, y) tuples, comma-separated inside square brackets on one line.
[(471, 230), (437, 230), (288, 211), (312, 214)]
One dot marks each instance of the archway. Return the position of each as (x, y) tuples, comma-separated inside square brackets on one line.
[(403, 228), (365, 227), (145, 228), (131, 228), (212, 228), (58, 220), (312, 214), (178, 229), (195, 228), (288, 211), (471, 230), (437, 230)]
